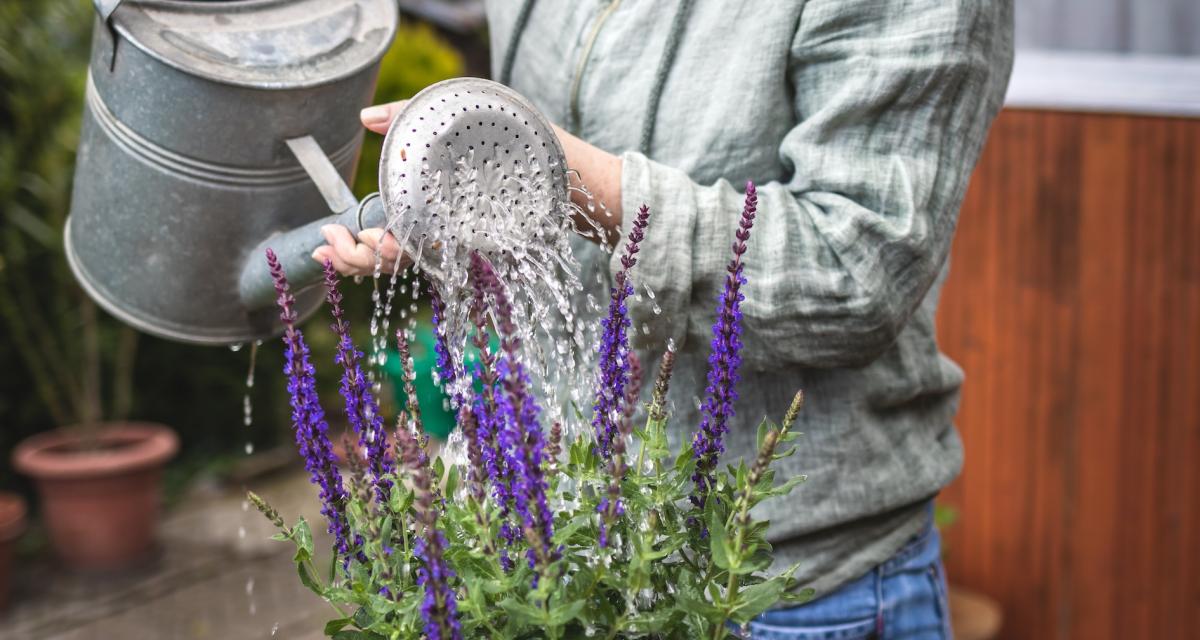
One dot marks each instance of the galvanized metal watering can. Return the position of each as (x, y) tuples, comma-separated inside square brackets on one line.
[(208, 127), (216, 129)]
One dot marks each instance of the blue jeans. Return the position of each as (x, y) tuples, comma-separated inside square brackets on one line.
[(901, 599)]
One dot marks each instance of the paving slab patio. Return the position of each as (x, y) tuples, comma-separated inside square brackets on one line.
[(217, 575)]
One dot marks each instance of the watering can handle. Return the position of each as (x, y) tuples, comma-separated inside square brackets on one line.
[(106, 8), (294, 247), (320, 169)]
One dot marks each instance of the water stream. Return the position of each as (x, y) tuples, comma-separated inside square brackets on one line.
[(511, 212)]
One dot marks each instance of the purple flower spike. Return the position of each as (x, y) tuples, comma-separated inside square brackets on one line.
[(362, 409), (525, 446), (439, 609), (308, 418), (515, 426), (607, 410), (489, 423), (720, 394), (633, 391), (447, 369)]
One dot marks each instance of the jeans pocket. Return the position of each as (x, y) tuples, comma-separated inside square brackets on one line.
[(857, 630)]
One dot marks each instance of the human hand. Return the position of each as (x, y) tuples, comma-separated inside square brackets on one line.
[(357, 257), (602, 171), (379, 117)]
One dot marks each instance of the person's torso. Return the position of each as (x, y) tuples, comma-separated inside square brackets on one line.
[(877, 437)]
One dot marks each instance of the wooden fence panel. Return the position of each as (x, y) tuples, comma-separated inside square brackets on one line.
[(1073, 304)]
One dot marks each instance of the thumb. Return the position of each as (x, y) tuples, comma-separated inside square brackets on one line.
[(380, 116)]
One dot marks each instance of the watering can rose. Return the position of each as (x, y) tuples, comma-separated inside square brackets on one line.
[(540, 533)]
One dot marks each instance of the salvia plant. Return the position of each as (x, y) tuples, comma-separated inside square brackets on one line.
[(537, 534)]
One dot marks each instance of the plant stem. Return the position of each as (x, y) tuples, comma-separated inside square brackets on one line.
[(404, 547), (616, 628), (642, 450), (123, 373), (91, 372)]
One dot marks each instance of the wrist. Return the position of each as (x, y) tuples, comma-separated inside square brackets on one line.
[(597, 173)]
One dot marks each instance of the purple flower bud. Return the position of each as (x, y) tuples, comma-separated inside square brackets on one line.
[(446, 369), (632, 392), (662, 384)]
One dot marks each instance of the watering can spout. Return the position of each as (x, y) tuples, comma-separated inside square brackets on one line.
[(294, 247)]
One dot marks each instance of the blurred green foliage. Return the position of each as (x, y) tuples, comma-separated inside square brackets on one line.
[(54, 341), (67, 361)]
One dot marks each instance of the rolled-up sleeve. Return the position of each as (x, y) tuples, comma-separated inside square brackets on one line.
[(893, 99)]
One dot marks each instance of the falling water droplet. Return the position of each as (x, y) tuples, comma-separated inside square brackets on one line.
[(249, 448)]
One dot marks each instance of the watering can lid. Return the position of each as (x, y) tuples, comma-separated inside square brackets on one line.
[(266, 44)]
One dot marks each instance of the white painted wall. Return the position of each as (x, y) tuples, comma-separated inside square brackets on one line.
[(1165, 27)]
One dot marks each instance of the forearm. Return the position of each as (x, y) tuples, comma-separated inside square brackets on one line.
[(600, 172)]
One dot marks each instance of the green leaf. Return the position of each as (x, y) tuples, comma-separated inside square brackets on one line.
[(685, 458), (334, 626), (798, 597), (563, 614), (757, 598), (451, 480), (785, 488), (401, 500), (439, 469), (362, 618), (759, 561), (521, 613), (717, 541), (302, 536), (563, 534), (307, 580), (355, 635), (654, 621)]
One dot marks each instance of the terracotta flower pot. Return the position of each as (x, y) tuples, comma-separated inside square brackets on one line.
[(100, 504), (973, 615), (12, 524)]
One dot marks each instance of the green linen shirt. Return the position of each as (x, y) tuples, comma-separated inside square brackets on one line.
[(860, 122)]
